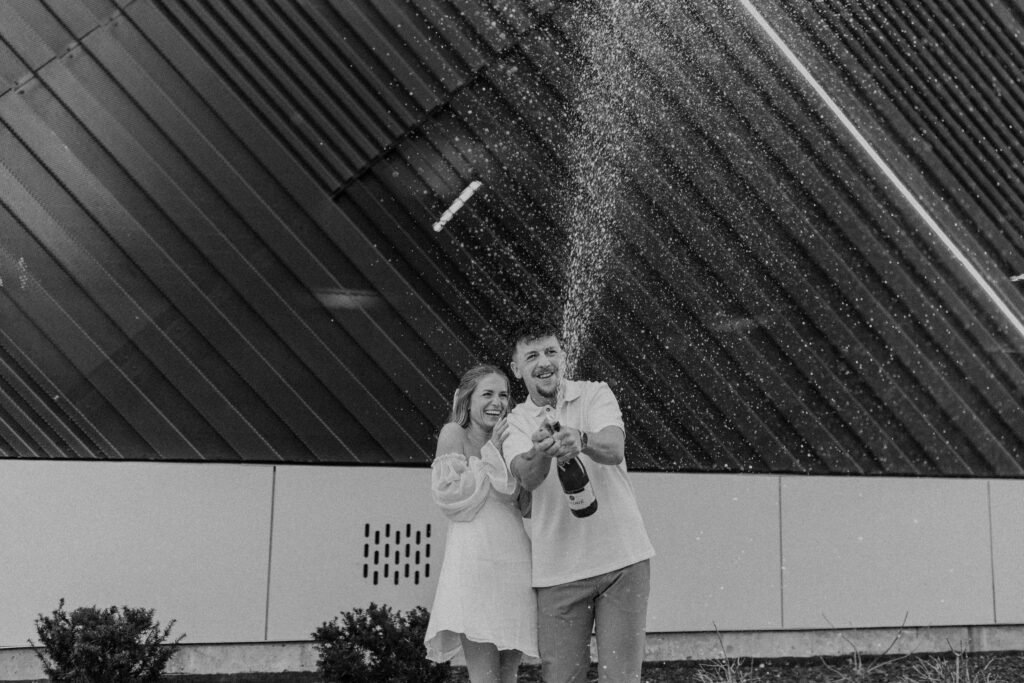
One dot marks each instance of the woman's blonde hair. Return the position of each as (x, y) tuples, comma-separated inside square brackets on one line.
[(467, 385)]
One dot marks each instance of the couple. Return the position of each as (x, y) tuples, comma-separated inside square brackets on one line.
[(498, 594)]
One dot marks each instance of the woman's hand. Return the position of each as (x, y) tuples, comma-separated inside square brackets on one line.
[(500, 433)]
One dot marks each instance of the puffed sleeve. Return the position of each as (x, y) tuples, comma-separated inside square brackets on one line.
[(458, 487)]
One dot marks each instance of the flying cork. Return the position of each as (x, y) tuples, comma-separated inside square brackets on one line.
[(457, 204)]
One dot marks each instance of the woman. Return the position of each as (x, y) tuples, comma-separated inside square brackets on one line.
[(484, 605)]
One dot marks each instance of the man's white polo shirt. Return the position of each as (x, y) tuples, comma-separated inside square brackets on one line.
[(567, 548)]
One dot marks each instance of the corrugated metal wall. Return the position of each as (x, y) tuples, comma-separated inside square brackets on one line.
[(217, 243)]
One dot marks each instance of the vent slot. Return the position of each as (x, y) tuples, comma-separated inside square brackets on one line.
[(396, 553)]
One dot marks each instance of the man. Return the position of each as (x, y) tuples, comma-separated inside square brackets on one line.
[(591, 573)]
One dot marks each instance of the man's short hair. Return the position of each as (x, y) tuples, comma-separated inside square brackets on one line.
[(531, 327)]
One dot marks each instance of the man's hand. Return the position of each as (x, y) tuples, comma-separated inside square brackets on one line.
[(604, 447), (570, 444), (544, 442), (532, 467)]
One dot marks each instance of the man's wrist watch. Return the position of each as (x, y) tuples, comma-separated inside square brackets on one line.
[(583, 441)]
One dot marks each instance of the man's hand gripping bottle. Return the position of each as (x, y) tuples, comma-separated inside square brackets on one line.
[(574, 479)]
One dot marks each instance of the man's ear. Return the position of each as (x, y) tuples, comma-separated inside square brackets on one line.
[(515, 370)]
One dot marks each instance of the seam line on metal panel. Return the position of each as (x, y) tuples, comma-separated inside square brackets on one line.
[(782, 566), (991, 553), (270, 552)]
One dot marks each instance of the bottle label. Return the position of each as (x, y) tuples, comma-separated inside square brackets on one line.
[(579, 500)]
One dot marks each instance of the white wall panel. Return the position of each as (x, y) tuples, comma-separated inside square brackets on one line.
[(1008, 550), (320, 543), (189, 541), (717, 539), (716, 536), (192, 541), (864, 551)]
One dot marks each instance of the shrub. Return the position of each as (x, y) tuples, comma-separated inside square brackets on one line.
[(103, 646), (377, 645)]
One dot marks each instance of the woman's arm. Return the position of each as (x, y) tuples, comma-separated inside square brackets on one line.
[(456, 487), (449, 440)]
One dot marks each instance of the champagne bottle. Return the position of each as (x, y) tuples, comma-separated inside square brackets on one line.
[(575, 481)]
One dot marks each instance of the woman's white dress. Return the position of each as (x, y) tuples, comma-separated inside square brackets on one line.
[(484, 588)]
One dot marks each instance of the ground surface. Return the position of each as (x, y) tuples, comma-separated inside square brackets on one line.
[(980, 668)]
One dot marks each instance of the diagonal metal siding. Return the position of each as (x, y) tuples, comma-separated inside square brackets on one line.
[(217, 233), (857, 291), (340, 81), (980, 365), (180, 280)]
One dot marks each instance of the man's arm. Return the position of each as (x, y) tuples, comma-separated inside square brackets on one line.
[(532, 467), (606, 447)]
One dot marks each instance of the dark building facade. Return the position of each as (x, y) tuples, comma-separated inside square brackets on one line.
[(217, 243)]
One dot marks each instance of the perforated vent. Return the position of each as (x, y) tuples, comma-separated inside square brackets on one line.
[(396, 553)]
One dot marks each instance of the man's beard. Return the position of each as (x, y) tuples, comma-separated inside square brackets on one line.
[(551, 394)]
